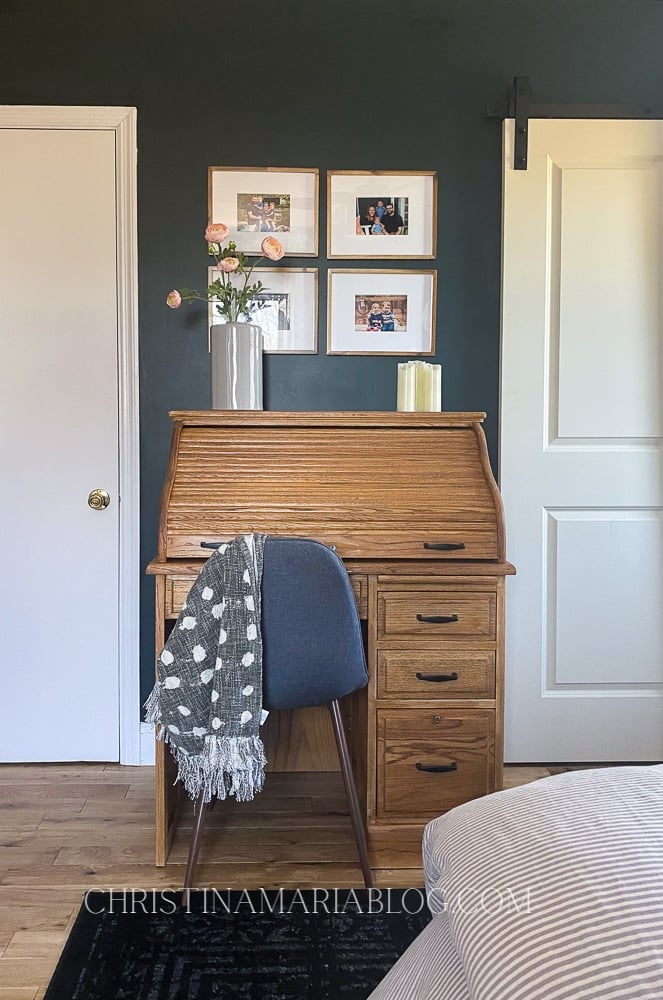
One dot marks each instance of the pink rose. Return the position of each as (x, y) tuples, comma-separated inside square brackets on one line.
[(229, 264), (272, 248), (174, 299), (216, 233)]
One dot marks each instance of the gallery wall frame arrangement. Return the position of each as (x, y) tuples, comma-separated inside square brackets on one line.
[(286, 309), (379, 214), (377, 311), (256, 201)]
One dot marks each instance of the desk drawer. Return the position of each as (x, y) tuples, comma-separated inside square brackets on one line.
[(177, 587), (360, 588), (436, 674), (437, 614), (426, 766)]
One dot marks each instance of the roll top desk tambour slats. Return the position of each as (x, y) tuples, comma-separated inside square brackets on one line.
[(409, 502)]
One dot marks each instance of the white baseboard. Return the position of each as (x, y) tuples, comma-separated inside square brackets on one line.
[(146, 743)]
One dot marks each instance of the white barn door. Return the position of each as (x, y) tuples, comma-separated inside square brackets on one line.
[(59, 400), (580, 465)]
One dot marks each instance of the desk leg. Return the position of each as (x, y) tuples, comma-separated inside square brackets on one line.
[(168, 796), (168, 802)]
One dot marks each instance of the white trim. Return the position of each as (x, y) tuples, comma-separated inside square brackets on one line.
[(123, 122), (62, 116), (147, 743), (128, 413)]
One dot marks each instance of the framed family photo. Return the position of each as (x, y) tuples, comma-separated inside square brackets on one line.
[(377, 214), (286, 310), (254, 202), (381, 312)]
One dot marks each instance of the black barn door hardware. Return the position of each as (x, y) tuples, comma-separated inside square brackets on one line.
[(518, 104)]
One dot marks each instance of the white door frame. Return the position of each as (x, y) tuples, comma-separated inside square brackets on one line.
[(121, 121)]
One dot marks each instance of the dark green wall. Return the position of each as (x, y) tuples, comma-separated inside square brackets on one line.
[(367, 84)]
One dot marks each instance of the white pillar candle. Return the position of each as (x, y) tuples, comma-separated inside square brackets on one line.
[(419, 387), (400, 393), (410, 386), (425, 395), (437, 388)]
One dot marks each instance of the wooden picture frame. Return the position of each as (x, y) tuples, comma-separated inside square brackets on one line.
[(289, 316), (376, 311), (255, 202), (404, 205)]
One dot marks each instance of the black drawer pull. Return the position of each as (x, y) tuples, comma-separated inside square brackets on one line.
[(210, 545), (437, 619), (437, 677), (437, 768), (444, 546)]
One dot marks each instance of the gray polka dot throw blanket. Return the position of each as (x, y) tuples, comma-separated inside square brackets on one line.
[(207, 700)]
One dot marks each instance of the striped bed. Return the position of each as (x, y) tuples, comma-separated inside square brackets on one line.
[(549, 891)]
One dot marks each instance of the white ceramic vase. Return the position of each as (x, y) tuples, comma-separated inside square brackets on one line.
[(236, 350)]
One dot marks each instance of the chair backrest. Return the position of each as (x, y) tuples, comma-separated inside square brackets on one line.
[(313, 651)]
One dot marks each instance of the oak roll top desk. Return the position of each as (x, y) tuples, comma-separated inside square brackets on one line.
[(409, 503)]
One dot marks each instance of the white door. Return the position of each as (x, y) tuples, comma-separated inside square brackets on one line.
[(59, 404), (580, 469)]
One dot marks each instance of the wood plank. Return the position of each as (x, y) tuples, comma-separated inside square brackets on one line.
[(237, 821), (38, 855), (102, 830), (37, 909), (38, 918), (399, 878), (250, 875), (15, 821), (277, 848), (26, 972), (302, 740), (324, 418), (36, 944), (59, 774), (136, 806), (63, 792), (515, 776)]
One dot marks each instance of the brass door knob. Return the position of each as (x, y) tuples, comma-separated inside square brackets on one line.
[(98, 500)]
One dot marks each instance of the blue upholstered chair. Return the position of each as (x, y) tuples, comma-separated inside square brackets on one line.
[(313, 654)]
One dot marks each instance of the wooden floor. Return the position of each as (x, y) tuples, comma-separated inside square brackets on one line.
[(68, 828)]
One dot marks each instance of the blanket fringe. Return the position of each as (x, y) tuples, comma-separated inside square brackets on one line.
[(153, 707), (226, 765)]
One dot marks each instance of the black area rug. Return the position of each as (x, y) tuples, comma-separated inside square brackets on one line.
[(322, 944)]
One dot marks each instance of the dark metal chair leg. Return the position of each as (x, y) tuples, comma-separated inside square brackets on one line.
[(351, 792), (202, 809)]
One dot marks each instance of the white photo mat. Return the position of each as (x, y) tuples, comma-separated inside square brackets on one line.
[(412, 292), (417, 189), (227, 191), (289, 318)]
